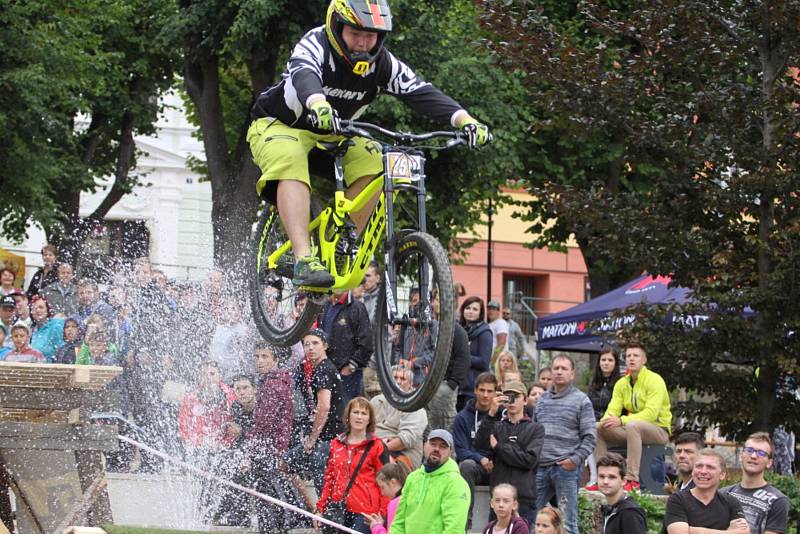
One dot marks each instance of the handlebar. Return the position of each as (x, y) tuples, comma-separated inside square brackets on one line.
[(350, 128)]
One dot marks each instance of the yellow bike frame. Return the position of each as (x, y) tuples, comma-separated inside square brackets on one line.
[(333, 217)]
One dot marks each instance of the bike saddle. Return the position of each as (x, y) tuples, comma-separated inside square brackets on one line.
[(335, 148)]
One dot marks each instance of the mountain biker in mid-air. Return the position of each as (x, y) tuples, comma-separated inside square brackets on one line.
[(335, 69)]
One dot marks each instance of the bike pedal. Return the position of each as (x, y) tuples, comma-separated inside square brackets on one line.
[(285, 270), (316, 295)]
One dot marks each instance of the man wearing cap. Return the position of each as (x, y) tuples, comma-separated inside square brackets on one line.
[(499, 328), (435, 498), (7, 307), (515, 442)]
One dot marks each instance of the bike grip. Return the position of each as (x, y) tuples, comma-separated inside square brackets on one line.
[(464, 138)]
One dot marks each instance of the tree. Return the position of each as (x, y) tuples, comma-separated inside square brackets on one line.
[(563, 150), (231, 52), (440, 41), (43, 70), (140, 67), (235, 50), (695, 104), (82, 80)]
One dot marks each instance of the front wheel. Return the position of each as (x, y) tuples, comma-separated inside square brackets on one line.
[(282, 313), (415, 322)]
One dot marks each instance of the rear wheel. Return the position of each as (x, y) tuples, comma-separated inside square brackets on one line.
[(415, 318), (282, 313)]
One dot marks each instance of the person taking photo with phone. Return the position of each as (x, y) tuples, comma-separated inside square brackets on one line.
[(515, 442)]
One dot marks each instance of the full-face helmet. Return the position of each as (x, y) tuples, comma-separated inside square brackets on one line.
[(365, 15)]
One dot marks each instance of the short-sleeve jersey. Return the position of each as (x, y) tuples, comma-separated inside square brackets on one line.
[(683, 507), (325, 376), (314, 68), (499, 326), (765, 508)]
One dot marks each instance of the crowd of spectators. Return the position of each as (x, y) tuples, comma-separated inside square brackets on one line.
[(199, 383)]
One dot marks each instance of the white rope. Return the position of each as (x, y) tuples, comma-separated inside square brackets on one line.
[(234, 485)]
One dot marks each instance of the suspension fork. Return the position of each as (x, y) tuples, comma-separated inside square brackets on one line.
[(422, 222), (422, 225), (391, 272)]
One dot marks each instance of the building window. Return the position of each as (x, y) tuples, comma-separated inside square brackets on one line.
[(112, 245), (519, 294)]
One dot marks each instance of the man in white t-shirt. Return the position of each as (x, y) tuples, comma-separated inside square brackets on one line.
[(499, 328)]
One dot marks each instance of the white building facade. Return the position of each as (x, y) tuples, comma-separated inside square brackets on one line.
[(171, 209)]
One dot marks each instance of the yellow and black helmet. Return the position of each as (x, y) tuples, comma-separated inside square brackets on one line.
[(366, 15)]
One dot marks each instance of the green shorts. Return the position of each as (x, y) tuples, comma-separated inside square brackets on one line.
[(281, 152)]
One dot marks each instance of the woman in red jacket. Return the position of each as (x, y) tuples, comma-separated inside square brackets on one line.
[(347, 449), (204, 413)]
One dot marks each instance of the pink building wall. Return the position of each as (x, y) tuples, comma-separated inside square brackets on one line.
[(559, 279)]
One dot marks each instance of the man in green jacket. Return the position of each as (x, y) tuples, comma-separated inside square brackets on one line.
[(435, 498), (639, 413)]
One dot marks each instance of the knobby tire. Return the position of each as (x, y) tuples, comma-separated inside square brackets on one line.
[(417, 243), (269, 231)]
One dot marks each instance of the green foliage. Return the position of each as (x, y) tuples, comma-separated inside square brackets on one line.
[(120, 529), (789, 486), (42, 72), (667, 143), (78, 81), (590, 517), (246, 37), (527, 368), (655, 509)]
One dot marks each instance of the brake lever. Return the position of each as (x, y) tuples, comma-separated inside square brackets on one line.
[(345, 127), (336, 125)]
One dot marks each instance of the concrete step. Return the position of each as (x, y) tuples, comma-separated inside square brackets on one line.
[(165, 500), (171, 500)]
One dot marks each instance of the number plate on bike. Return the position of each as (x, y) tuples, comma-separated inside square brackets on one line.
[(400, 165)]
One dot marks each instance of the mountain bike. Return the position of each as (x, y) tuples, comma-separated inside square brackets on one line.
[(415, 311)]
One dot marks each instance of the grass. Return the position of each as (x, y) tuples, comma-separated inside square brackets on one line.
[(118, 529)]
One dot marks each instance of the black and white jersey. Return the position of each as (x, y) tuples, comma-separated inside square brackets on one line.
[(765, 508), (314, 68)]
